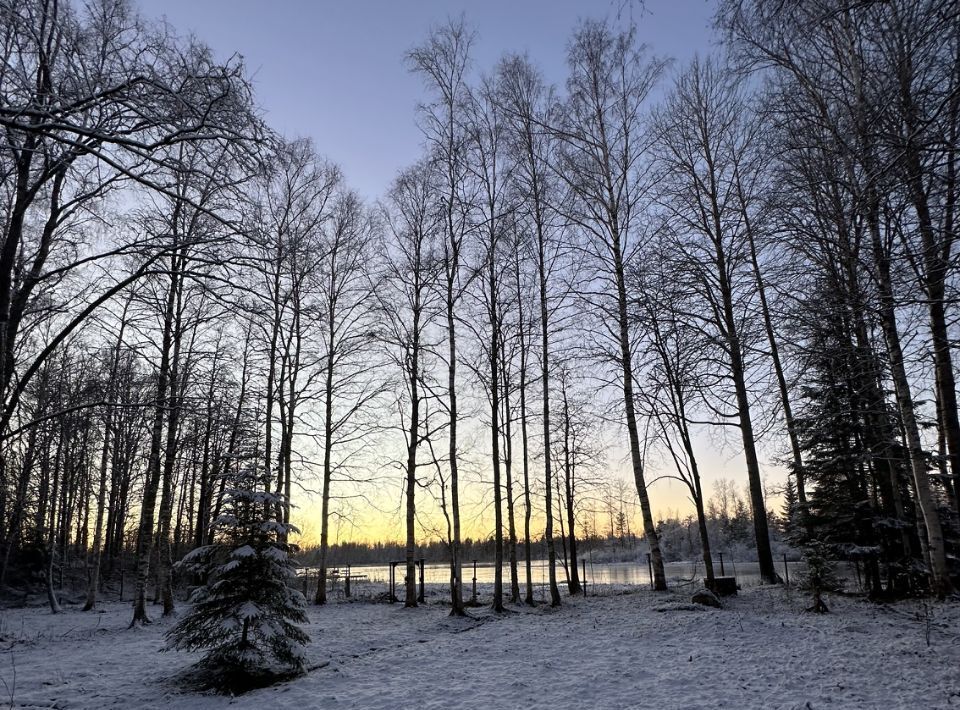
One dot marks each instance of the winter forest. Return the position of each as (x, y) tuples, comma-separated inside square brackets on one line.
[(637, 388)]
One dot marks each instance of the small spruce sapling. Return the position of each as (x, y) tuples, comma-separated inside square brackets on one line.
[(245, 612), (820, 576)]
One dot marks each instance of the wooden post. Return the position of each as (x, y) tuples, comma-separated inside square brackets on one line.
[(584, 575), (346, 583), (392, 574), (474, 581), (422, 595), (650, 570), (786, 569)]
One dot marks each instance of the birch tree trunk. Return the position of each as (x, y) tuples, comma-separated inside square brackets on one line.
[(93, 585), (939, 573), (145, 530)]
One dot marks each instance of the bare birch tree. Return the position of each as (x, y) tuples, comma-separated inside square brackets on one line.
[(602, 164), (408, 303), (443, 61), (702, 138)]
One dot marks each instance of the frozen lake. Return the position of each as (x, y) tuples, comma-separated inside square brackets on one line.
[(605, 573)]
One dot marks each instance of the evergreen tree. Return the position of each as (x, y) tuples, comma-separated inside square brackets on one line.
[(245, 612), (820, 576), (850, 450), (791, 509)]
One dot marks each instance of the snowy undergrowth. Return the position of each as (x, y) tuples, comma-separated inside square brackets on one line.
[(639, 650)]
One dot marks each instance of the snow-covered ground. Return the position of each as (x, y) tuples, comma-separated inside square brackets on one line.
[(637, 650)]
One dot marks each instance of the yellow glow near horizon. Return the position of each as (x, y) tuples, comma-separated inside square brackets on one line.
[(383, 520)]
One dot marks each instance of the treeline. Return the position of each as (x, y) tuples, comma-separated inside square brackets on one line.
[(728, 519), (758, 246), (342, 554)]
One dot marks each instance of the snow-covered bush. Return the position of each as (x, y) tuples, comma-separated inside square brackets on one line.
[(245, 612)]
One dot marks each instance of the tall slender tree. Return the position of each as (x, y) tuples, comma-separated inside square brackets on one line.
[(702, 136), (443, 61), (408, 303), (602, 164)]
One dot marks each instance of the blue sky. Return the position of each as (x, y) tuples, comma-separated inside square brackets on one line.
[(334, 71)]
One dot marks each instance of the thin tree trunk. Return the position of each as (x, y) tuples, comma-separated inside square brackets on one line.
[(524, 444), (633, 432), (545, 379), (93, 581), (271, 387), (698, 503), (937, 258), (943, 460), (495, 435), (51, 546), (412, 444), (456, 545), (235, 428), (737, 370), (23, 480), (176, 385), (508, 471), (798, 471), (573, 574), (205, 495), (321, 597), (939, 573), (145, 530)]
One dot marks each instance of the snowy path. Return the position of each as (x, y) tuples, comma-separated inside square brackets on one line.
[(634, 651)]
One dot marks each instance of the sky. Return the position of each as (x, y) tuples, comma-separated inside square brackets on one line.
[(335, 72)]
